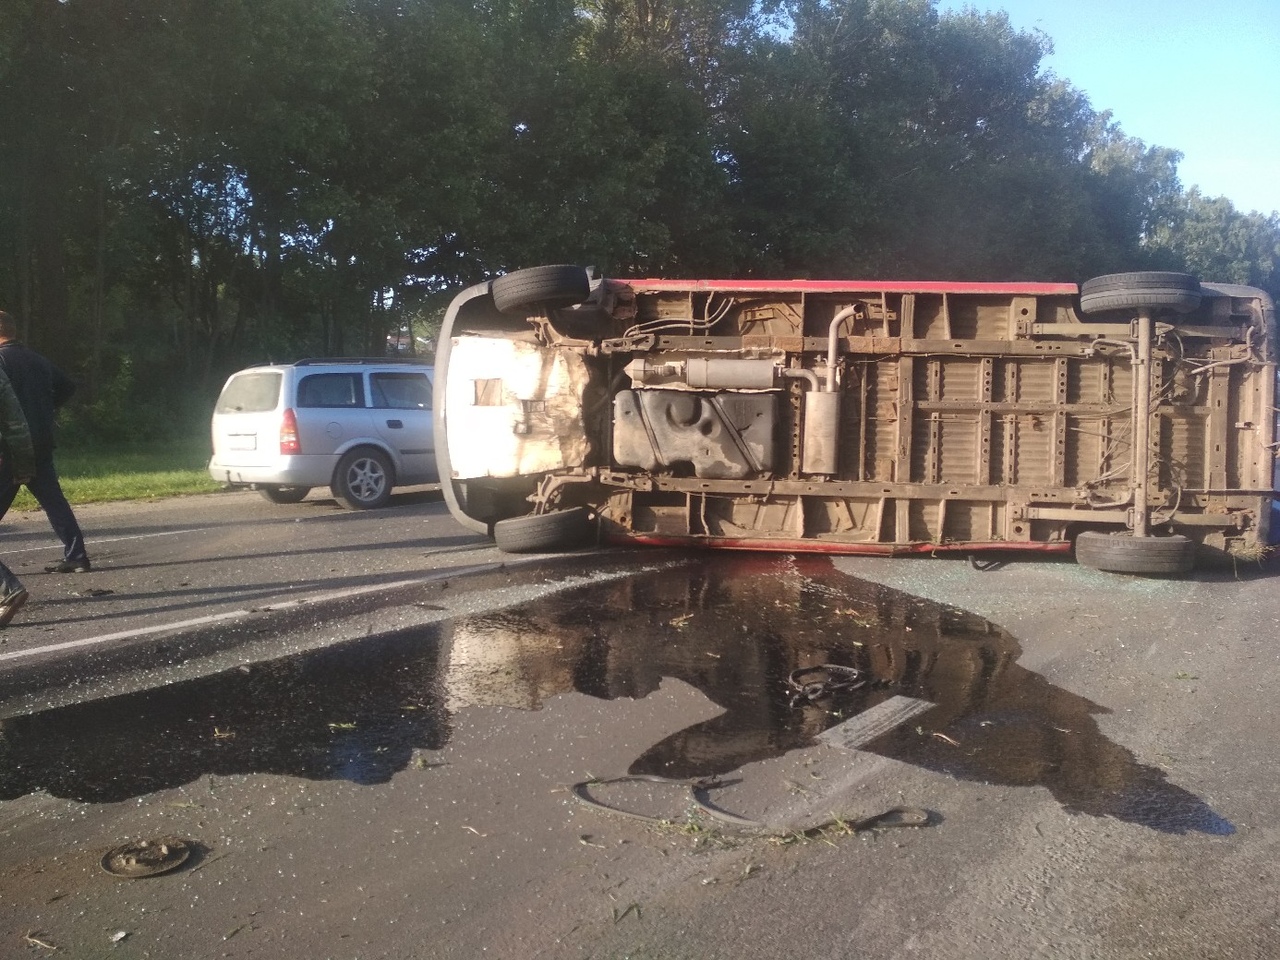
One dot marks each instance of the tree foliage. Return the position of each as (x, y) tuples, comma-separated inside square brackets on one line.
[(190, 185)]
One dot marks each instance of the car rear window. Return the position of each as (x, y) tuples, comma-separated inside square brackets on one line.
[(250, 393), (331, 390), (401, 391)]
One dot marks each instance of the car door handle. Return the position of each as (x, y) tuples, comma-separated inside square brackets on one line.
[(395, 424)]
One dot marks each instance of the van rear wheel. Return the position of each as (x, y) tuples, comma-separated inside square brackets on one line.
[(1153, 289), (1125, 553), (277, 494)]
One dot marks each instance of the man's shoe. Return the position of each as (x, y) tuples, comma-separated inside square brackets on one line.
[(11, 604), (69, 566)]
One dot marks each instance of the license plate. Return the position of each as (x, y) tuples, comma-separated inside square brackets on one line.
[(243, 441)]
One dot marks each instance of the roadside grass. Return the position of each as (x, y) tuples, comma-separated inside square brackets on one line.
[(138, 472)]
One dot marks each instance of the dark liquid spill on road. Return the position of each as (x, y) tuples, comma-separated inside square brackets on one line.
[(734, 627)]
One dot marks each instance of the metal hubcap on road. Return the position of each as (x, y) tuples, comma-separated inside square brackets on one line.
[(146, 858), (366, 479)]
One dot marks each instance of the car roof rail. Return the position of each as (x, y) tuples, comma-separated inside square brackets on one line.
[(405, 361)]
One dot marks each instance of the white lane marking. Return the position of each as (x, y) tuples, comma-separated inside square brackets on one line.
[(94, 541), (221, 617)]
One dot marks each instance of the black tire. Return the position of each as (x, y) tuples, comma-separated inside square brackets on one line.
[(363, 479), (1125, 553), (285, 494), (548, 287), (545, 532), (1154, 289)]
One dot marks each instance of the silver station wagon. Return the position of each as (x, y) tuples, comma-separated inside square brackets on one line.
[(358, 426)]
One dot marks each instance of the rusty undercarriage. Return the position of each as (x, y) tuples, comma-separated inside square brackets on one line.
[(1131, 418)]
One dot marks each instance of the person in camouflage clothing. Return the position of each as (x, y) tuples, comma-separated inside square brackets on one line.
[(20, 459)]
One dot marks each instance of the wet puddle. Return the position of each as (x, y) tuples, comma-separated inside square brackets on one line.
[(733, 627)]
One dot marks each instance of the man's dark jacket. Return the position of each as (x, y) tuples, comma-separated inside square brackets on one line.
[(41, 388)]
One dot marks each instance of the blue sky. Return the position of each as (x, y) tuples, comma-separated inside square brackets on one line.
[(1200, 77)]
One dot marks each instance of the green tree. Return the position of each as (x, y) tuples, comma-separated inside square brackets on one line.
[(190, 185), (1209, 237)]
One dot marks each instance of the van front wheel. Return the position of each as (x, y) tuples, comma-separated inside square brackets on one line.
[(544, 532), (548, 287)]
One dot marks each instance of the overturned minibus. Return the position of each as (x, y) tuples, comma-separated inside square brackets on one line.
[(1130, 419)]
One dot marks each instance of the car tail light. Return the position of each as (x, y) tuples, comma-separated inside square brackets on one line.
[(289, 434)]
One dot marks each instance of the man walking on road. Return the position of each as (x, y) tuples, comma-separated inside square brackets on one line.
[(19, 463), (41, 389)]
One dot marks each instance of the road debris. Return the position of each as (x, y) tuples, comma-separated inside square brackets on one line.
[(631, 908), (147, 858), (33, 941), (874, 722), (701, 802), (826, 680)]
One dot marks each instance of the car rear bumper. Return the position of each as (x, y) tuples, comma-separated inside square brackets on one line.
[(287, 472)]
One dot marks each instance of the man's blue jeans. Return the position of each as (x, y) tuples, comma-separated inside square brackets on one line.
[(47, 490)]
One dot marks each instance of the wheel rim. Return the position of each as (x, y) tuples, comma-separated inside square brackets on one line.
[(366, 480)]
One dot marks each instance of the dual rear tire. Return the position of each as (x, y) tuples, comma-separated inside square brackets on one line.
[(1102, 298), (1154, 290), (1125, 553)]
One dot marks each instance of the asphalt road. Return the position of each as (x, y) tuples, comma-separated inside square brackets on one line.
[(211, 562), (1098, 765)]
